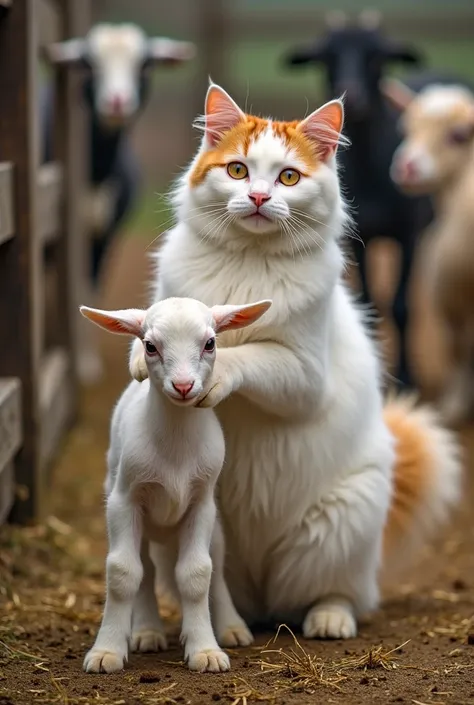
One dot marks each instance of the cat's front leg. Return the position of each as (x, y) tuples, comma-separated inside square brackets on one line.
[(226, 378), (269, 375)]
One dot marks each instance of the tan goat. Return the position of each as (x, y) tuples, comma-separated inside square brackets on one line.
[(436, 157)]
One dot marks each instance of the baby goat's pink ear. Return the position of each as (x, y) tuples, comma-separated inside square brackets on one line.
[(221, 114), (230, 317), (324, 126), (129, 321)]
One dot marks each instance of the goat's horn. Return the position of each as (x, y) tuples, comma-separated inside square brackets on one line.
[(336, 19), (370, 18)]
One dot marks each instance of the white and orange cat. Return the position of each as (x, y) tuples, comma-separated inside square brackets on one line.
[(325, 490)]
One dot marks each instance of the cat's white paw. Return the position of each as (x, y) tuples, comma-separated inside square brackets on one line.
[(235, 635), (103, 661), (210, 660), (329, 622), (146, 640)]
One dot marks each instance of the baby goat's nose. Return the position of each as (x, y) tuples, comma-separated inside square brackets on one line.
[(183, 388)]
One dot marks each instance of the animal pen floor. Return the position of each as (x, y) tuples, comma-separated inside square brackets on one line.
[(51, 593)]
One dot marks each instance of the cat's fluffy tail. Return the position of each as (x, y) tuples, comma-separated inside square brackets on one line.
[(427, 482)]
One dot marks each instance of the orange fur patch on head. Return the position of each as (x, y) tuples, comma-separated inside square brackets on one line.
[(238, 139), (412, 475)]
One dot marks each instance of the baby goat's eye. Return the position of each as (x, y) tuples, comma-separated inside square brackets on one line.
[(289, 177), (150, 348), (210, 345)]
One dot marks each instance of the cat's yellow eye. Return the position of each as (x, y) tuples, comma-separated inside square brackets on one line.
[(237, 170), (289, 177)]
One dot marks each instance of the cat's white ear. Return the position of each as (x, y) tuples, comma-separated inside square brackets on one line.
[(324, 127), (221, 114)]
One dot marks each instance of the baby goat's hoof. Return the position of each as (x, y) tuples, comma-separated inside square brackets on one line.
[(236, 635), (147, 640), (211, 660), (101, 661)]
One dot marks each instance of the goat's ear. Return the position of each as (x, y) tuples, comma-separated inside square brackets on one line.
[(129, 321), (305, 55), (370, 18), (221, 114), (169, 51), (230, 317), (404, 53), (336, 19), (324, 127), (69, 52), (397, 93)]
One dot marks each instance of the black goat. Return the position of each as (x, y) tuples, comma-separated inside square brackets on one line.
[(355, 58), (116, 87)]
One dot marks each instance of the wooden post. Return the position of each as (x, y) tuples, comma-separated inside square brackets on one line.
[(20, 260), (212, 46)]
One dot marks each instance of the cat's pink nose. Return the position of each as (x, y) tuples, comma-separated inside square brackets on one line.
[(259, 198), (183, 388)]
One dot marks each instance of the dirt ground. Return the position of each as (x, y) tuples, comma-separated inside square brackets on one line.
[(51, 585)]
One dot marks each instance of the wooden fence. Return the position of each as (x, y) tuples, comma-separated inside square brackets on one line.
[(41, 243)]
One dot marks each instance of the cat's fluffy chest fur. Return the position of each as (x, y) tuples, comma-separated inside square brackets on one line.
[(286, 468)]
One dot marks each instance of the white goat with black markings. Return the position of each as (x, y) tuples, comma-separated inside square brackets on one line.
[(164, 460), (116, 60)]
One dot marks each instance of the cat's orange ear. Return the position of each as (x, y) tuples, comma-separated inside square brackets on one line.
[(221, 114), (324, 127)]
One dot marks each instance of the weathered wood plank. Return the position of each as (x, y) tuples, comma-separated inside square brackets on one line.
[(71, 135), (49, 199), (7, 225), (21, 257), (10, 440), (288, 23), (10, 419), (7, 490), (49, 22), (56, 401)]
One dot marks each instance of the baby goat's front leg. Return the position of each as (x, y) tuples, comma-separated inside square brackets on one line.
[(124, 575), (193, 578), (230, 628)]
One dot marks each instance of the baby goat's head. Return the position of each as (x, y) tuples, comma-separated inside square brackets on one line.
[(178, 337), (117, 57), (438, 131)]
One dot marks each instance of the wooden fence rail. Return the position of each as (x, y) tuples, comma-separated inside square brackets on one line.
[(40, 237)]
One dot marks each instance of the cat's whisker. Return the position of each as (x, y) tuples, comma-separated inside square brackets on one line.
[(301, 213), (300, 240), (213, 225), (309, 231)]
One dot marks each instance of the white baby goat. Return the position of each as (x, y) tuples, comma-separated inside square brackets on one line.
[(164, 460)]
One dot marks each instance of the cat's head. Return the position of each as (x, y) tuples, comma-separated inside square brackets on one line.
[(255, 180)]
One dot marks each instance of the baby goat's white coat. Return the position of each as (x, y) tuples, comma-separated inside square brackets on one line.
[(163, 464)]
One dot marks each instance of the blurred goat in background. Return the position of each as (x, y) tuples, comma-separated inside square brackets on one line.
[(355, 57), (117, 59), (436, 157)]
